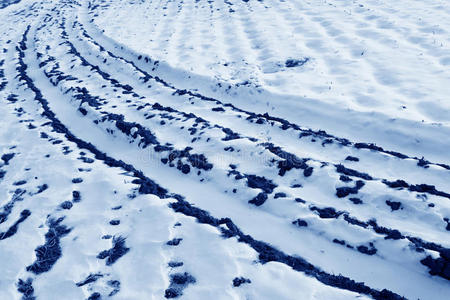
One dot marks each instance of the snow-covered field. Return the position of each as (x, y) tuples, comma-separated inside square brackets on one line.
[(227, 149)]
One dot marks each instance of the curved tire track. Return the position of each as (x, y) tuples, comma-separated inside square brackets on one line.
[(266, 252)]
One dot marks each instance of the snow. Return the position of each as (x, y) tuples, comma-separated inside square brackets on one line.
[(135, 134)]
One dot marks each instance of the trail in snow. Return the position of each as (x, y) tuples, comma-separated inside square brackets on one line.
[(149, 177)]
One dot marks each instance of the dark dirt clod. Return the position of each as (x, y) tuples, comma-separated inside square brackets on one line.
[(259, 199), (174, 242), (300, 223), (117, 251), (50, 252), (26, 289), (394, 205), (259, 182), (238, 281)]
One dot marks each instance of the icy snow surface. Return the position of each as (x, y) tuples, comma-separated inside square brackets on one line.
[(225, 149)]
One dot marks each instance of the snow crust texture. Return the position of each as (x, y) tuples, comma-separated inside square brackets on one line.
[(224, 149)]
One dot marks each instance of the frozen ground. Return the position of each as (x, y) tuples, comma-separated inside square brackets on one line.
[(225, 149)]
